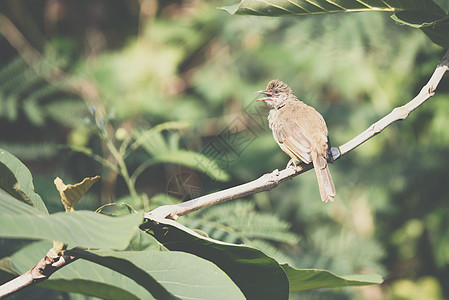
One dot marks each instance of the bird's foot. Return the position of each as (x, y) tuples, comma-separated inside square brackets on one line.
[(292, 163)]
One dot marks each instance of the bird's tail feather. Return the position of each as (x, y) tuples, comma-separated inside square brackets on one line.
[(325, 182)]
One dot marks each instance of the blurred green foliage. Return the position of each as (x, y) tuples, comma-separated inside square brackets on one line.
[(148, 62)]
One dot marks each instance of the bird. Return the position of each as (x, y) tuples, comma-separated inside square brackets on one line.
[(300, 132)]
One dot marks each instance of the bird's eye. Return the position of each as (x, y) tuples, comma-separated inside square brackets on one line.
[(276, 91)]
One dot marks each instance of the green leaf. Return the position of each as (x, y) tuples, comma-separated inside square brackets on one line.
[(10, 206), (16, 179), (184, 275), (438, 34), (424, 14), (6, 265), (80, 276), (79, 228), (126, 264), (307, 279), (164, 274), (313, 7), (142, 241), (257, 275), (436, 27), (417, 19), (102, 289)]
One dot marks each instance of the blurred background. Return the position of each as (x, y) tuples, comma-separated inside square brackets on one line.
[(79, 76)]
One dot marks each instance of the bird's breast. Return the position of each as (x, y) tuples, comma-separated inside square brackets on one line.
[(272, 117)]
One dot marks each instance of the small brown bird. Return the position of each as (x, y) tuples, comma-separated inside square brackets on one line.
[(301, 132)]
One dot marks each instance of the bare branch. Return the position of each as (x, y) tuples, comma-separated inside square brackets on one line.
[(40, 272), (17, 40), (402, 112), (269, 181), (264, 183)]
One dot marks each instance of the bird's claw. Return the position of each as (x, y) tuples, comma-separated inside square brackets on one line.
[(292, 163)]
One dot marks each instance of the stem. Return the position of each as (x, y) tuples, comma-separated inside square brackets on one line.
[(121, 166), (139, 170), (40, 272)]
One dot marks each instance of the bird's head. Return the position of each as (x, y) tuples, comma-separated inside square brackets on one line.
[(277, 92)]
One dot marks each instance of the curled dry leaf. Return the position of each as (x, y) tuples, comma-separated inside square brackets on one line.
[(72, 193)]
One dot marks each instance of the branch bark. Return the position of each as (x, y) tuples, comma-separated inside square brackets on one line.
[(40, 272), (269, 181)]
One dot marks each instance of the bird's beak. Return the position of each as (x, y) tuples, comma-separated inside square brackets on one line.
[(265, 98)]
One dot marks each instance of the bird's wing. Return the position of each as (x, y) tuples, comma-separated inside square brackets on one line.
[(292, 137)]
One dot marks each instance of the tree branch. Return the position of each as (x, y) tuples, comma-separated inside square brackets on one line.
[(17, 40), (269, 181), (40, 272), (402, 112)]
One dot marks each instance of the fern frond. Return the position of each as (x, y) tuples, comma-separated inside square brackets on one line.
[(25, 86), (33, 111), (270, 250), (240, 222), (151, 141), (165, 149), (11, 69), (143, 136), (66, 111), (11, 107)]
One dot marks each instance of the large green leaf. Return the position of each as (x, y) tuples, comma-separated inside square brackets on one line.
[(133, 275), (184, 275), (435, 26), (438, 34), (312, 7), (130, 264), (424, 14), (257, 275), (307, 279), (79, 228), (11, 206), (80, 276), (418, 19), (16, 179)]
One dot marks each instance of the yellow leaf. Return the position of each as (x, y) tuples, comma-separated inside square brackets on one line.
[(71, 194)]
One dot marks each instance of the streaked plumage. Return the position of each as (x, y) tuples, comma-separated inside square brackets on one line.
[(301, 132)]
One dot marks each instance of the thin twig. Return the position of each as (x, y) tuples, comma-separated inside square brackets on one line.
[(269, 181), (40, 272)]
